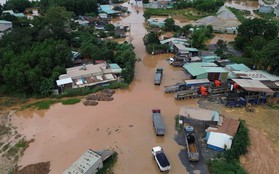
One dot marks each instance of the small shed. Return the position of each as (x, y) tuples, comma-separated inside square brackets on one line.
[(218, 141), (179, 48)]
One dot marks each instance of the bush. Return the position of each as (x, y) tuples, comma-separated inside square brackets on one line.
[(221, 166), (70, 101)]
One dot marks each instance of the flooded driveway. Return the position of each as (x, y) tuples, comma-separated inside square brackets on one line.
[(63, 133)]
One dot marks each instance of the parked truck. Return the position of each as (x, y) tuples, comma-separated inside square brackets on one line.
[(176, 87), (187, 84), (158, 122), (185, 94), (192, 150), (161, 159), (158, 76)]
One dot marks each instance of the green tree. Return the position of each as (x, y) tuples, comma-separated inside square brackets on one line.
[(169, 24), (270, 60), (17, 5), (151, 38), (251, 28), (145, 1), (58, 21), (221, 46)]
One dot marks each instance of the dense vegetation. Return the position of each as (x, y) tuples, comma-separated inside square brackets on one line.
[(228, 161), (201, 5), (36, 52), (257, 38)]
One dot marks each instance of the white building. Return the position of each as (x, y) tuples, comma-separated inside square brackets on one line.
[(89, 163)]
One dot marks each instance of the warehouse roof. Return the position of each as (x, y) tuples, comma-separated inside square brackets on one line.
[(197, 68), (253, 85)]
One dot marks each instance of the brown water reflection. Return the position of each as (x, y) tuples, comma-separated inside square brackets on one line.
[(123, 124)]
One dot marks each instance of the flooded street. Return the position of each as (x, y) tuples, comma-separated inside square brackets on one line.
[(63, 133)]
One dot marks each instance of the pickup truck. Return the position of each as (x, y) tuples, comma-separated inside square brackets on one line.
[(161, 159), (158, 76), (158, 122), (192, 151)]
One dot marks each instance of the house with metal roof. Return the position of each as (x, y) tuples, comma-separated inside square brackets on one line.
[(205, 70), (256, 75), (108, 9), (88, 75), (89, 163), (156, 22)]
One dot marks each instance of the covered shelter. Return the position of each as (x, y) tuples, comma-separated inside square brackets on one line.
[(253, 86)]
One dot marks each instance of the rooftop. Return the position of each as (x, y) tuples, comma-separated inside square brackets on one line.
[(238, 67), (176, 40), (229, 126), (215, 69), (197, 68), (253, 85), (220, 140), (80, 166), (199, 114), (256, 75)]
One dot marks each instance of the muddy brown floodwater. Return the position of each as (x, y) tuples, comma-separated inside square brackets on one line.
[(63, 133)]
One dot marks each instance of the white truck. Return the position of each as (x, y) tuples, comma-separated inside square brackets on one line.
[(161, 158)]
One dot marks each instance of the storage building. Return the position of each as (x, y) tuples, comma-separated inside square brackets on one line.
[(218, 141)]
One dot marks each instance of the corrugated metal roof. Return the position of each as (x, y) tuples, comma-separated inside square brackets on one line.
[(215, 69), (253, 85), (197, 68), (229, 126), (64, 81), (210, 58), (220, 140), (173, 39), (256, 75), (238, 67), (108, 9), (83, 164), (192, 49), (199, 114)]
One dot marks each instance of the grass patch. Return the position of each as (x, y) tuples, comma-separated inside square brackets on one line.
[(44, 104), (19, 147), (178, 126), (108, 165), (240, 14), (70, 101)]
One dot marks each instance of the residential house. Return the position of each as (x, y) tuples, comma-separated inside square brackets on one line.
[(82, 22), (210, 59), (203, 70), (108, 9), (156, 23), (88, 75)]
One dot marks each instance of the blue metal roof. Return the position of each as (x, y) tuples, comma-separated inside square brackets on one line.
[(108, 9)]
